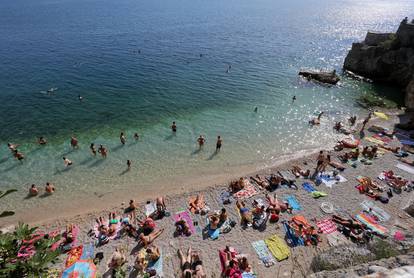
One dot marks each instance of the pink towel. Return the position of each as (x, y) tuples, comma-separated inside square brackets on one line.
[(186, 216), (327, 226), (245, 193)]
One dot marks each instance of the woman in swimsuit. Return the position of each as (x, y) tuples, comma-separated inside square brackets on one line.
[(219, 143), (174, 127), (67, 162), (246, 215), (261, 182), (197, 266), (122, 138), (147, 240), (185, 263)]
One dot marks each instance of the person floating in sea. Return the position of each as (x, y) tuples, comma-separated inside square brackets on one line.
[(74, 142), (255, 110), (228, 68), (33, 191), (92, 148), (18, 155), (316, 121), (102, 150), (12, 147), (201, 141), (174, 127), (129, 164), (50, 188), (219, 143), (67, 162), (122, 138), (136, 136), (364, 123), (80, 98), (42, 140), (293, 99), (352, 120)]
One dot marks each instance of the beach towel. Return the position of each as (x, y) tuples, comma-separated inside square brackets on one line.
[(327, 226), (225, 197), (248, 191), (293, 202), (157, 266), (88, 251), (406, 168), (67, 247), (407, 142), (263, 253), (329, 180), (374, 140), (308, 187), (382, 138), (277, 247), (223, 259), (248, 275), (291, 237), (150, 208), (370, 222), (381, 115), (186, 216), (74, 255), (378, 212), (336, 239)]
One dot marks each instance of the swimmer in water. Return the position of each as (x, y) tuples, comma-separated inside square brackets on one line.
[(122, 138), (129, 164), (33, 191), (136, 136), (228, 68), (92, 148), (12, 147), (74, 142), (102, 150), (255, 110), (219, 143), (18, 155), (49, 188), (67, 162), (174, 127), (293, 99), (316, 121), (80, 98), (42, 141), (201, 141)]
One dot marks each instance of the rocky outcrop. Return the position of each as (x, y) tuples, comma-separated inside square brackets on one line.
[(388, 58), (327, 77)]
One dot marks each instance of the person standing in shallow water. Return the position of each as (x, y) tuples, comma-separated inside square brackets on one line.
[(102, 150), (129, 163), (174, 127), (136, 136), (122, 138), (201, 141), (93, 150), (74, 142), (255, 110), (293, 99), (219, 143)]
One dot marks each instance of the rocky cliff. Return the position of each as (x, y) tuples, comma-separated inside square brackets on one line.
[(388, 58)]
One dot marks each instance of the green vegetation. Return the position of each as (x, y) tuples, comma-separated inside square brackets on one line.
[(370, 99), (383, 249), (36, 265), (320, 264)]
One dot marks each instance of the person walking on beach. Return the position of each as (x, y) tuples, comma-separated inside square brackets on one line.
[(201, 141), (219, 143), (320, 161), (67, 162), (102, 150), (93, 150), (129, 164), (136, 136), (122, 138), (174, 127), (74, 142)]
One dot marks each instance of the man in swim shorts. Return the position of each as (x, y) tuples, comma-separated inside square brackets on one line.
[(174, 127), (218, 144)]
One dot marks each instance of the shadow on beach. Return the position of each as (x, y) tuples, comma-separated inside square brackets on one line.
[(86, 161), (97, 163), (117, 148), (12, 167), (197, 151), (169, 137), (213, 155), (124, 172)]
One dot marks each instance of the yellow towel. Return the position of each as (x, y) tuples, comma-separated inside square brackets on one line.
[(381, 115), (278, 247), (374, 140)]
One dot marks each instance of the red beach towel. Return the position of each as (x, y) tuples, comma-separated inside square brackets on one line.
[(327, 226)]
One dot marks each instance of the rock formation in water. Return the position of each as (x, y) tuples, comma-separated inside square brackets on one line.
[(328, 77), (388, 58)]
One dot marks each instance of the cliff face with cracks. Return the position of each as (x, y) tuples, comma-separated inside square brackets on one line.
[(388, 58)]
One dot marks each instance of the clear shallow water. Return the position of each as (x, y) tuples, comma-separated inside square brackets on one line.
[(138, 66)]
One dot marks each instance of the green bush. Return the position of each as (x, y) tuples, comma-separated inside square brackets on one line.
[(383, 249)]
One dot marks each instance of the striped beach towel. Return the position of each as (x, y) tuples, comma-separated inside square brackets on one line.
[(371, 223), (247, 192), (327, 226), (381, 214), (263, 253), (374, 140)]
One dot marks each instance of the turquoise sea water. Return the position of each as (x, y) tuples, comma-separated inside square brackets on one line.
[(139, 65)]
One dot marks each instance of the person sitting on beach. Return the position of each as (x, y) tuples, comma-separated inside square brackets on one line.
[(352, 120), (102, 150), (145, 240), (316, 121), (334, 164), (182, 228), (263, 183), (42, 141), (118, 259), (122, 138), (223, 216), (214, 222), (298, 172), (201, 141), (275, 181), (354, 154), (74, 142), (373, 152), (344, 158), (12, 147), (131, 210), (67, 236), (67, 162), (50, 189), (244, 265), (246, 215), (236, 186), (33, 191), (92, 148), (197, 205), (18, 155), (147, 225), (153, 253), (365, 151), (136, 136)]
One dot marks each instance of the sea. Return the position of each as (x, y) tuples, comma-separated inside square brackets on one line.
[(139, 65)]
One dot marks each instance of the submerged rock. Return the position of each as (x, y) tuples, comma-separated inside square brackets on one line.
[(328, 77), (386, 57)]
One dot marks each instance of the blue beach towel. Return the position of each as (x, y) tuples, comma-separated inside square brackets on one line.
[(291, 238), (293, 202), (308, 187), (157, 266), (263, 252), (407, 142)]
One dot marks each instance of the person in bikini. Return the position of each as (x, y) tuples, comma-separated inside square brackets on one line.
[(147, 240), (67, 162), (263, 183), (246, 215), (174, 127), (219, 143), (18, 155), (201, 140), (122, 138)]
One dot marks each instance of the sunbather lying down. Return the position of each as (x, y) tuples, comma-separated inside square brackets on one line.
[(182, 228), (235, 264), (298, 172), (275, 206), (407, 161), (238, 185), (197, 204), (147, 240), (367, 185), (262, 182), (349, 223), (191, 264), (394, 181)]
